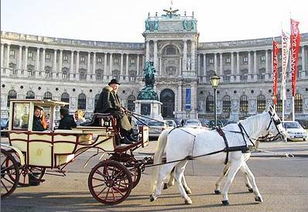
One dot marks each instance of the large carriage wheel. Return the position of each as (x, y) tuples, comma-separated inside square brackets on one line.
[(110, 182), (131, 164), (25, 172), (9, 174)]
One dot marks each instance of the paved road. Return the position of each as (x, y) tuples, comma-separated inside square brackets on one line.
[(282, 181)]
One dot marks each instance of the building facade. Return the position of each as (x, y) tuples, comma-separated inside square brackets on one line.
[(75, 71)]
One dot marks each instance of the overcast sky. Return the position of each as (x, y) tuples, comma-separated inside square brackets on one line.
[(123, 20)]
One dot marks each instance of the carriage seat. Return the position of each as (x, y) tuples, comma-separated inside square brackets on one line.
[(102, 119)]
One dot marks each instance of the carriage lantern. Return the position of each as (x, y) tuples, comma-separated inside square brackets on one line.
[(215, 79)]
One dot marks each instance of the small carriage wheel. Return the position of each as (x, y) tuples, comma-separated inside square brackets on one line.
[(9, 173), (110, 182), (25, 171), (133, 168)]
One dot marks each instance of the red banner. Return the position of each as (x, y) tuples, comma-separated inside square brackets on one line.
[(275, 71), (295, 42)]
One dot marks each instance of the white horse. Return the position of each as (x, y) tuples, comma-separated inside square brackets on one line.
[(209, 145)]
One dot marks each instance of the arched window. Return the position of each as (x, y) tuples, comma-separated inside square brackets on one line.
[(170, 50), (96, 99), (82, 101), (244, 104), (210, 103), (30, 95), (226, 104), (261, 103), (298, 103), (11, 95), (65, 97), (130, 103), (47, 95)]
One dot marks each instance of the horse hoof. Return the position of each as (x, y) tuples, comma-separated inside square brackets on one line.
[(165, 186), (152, 198), (259, 199), (188, 191), (188, 202), (217, 192), (225, 202), (250, 190)]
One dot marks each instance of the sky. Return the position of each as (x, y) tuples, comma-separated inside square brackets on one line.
[(123, 20)]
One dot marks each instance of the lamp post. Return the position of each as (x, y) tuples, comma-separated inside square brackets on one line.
[(215, 79)]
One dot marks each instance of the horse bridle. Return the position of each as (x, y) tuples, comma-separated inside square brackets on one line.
[(276, 123)]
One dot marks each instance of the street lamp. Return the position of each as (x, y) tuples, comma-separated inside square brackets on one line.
[(215, 79)]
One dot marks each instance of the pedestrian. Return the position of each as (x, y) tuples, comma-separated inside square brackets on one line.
[(109, 102), (67, 121)]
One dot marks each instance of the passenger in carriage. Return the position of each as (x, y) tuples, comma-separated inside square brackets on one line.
[(79, 117), (67, 121), (109, 102), (37, 119)]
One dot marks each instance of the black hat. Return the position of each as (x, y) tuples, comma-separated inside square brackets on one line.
[(114, 81), (64, 111)]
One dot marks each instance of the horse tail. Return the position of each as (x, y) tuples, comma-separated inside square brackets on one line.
[(162, 141)]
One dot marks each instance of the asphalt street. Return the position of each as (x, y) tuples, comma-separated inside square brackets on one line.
[(282, 181)]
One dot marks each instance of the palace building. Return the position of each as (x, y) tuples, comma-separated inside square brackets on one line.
[(75, 71)]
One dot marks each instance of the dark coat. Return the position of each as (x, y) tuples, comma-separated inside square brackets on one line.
[(37, 125), (67, 123), (109, 102)]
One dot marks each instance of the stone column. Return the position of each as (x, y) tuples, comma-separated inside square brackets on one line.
[(179, 98), (121, 67), (89, 67), (237, 67), (138, 65), (72, 72), (37, 66), (77, 65), (54, 68), (110, 65), (60, 64), (155, 54), (147, 51), (266, 65), (2, 51), (215, 62), (221, 65), (249, 66), (26, 62), (20, 59), (8, 56), (105, 66), (185, 56), (126, 68), (303, 62), (254, 63), (94, 67), (204, 64), (193, 57), (43, 63), (232, 64)]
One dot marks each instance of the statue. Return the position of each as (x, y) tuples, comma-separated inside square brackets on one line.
[(148, 93)]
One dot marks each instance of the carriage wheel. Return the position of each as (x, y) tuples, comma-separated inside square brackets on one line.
[(110, 182), (24, 172), (9, 174), (133, 168)]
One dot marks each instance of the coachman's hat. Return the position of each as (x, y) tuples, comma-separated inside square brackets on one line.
[(114, 81)]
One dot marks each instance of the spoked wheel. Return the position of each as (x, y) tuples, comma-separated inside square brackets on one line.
[(29, 175), (110, 182), (9, 174), (131, 164)]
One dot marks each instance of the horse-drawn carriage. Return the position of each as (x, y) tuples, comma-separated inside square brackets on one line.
[(29, 153)]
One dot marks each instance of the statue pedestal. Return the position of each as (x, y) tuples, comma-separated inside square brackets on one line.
[(150, 108)]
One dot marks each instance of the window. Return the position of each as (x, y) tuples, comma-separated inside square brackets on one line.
[(47, 56), (99, 60), (298, 103), (132, 61), (30, 55), (130, 103), (261, 102), (210, 103), (170, 50), (226, 104), (65, 58), (65, 97), (11, 95), (82, 74), (116, 61), (245, 60), (244, 104), (65, 74), (12, 53), (82, 101), (21, 116), (262, 59), (99, 74), (211, 61), (82, 59), (30, 95), (227, 60), (47, 95)]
